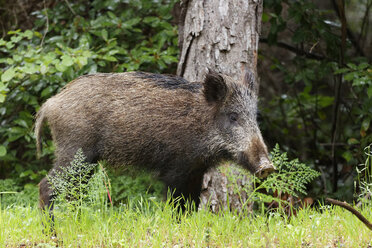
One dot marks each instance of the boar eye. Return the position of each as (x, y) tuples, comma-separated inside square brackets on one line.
[(233, 117)]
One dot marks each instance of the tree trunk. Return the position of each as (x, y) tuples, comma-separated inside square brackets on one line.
[(221, 35)]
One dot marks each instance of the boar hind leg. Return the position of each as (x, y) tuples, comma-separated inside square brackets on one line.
[(46, 206), (46, 193)]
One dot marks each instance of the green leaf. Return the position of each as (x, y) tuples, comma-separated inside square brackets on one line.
[(342, 70), (352, 141), (369, 91), (47, 91), (347, 156), (2, 151), (132, 22), (2, 86), (265, 17), (29, 68), (8, 75), (104, 34), (109, 58), (363, 66), (352, 66), (322, 115), (16, 39), (359, 82), (365, 124), (17, 58), (350, 76), (111, 15), (67, 60), (28, 34), (325, 101), (60, 67), (81, 61), (9, 45), (21, 123), (43, 68), (14, 31), (2, 97)]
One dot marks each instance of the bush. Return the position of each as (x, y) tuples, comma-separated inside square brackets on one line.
[(309, 61), (66, 42), (291, 177), (363, 183), (11, 194)]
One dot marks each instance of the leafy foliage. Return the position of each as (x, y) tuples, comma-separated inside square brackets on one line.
[(134, 185), (84, 184), (72, 38), (364, 177), (79, 184), (291, 177), (67, 41), (11, 194), (301, 114)]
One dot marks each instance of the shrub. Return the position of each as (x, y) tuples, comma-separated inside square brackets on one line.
[(66, 42)]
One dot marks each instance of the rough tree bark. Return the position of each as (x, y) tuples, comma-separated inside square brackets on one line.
[(221, 35)]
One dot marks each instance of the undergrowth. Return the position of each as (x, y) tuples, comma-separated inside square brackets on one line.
[(153, 224), (85, 218), (363, 182), (291, 177)]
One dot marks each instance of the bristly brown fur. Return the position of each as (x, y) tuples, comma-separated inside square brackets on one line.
[(38, 126), (159, 122)]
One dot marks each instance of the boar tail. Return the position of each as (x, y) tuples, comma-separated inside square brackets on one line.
[(40, 119)]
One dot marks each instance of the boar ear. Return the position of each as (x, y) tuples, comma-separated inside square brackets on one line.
[(249, 79), (215, 88)]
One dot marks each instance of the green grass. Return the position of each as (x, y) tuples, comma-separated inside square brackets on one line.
[(154, 224)]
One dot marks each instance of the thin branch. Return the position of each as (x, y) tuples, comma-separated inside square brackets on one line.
[(295, 50), (338, 83), (324, 180), (352, 210), (69, 6), (15, 18), (47, 24), (25, 14), (365, 20), (348, 31), (302, 112), (3, 29), (335, 144)]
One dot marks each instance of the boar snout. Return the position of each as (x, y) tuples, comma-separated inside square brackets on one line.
[(256, 159), (265, 169), (258, 164)]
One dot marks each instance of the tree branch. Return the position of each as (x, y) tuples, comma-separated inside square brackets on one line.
[(352, 210), (295, 50), (365, 20), (338, 83), (348, 31), (69, 6), (47, 24)]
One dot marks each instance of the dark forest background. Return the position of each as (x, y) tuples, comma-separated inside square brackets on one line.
[(314, 66)]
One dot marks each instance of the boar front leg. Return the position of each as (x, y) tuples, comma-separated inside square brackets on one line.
[(186, 188)]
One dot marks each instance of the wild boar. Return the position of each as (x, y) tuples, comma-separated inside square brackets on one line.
[(162, 123)]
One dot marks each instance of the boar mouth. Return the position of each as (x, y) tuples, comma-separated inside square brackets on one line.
[(258, 165), (265, 170)]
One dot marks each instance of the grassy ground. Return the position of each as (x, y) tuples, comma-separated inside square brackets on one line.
[(156, 225)]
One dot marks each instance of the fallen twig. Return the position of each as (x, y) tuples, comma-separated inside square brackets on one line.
[(352, 210)]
